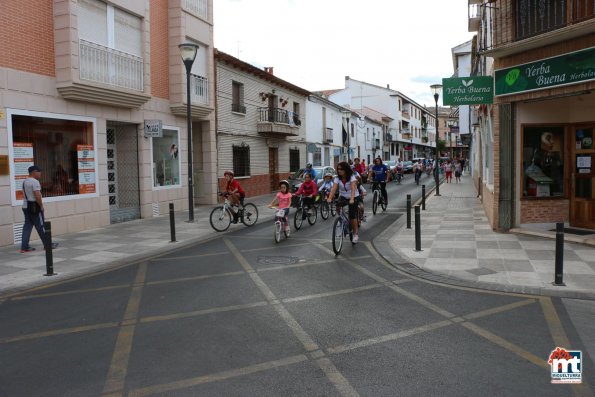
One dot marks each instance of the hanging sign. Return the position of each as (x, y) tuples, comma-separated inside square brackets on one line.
[(86, 166), (153, 129), (472, 90), (572, 68), (23, 159)]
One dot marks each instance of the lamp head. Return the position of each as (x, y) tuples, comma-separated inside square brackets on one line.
[(436, 91), (188, 52)]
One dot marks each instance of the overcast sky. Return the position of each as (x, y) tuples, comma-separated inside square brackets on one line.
[(314, 44)]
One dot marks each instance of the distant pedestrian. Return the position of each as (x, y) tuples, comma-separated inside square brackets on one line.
[(463, 164), (448, 171), (458, 171), (33, 210)]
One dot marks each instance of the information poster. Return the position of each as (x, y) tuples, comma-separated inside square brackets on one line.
[(86, 166), (23, 159)]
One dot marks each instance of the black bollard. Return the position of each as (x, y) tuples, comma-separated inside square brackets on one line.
[(423, 197), (559, 276), (49, 255), (417, 229), (172, 223), (408, 211)]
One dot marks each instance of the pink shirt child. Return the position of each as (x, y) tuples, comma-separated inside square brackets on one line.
[(284, 200)]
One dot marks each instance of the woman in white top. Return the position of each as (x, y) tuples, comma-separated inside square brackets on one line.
[(346, 183)]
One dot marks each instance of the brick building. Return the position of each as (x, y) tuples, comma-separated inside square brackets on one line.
[(80, 81)]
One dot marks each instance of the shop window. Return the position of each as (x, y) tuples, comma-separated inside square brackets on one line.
[(241, 160), (166, 159), (543, 161), (294, 160), (237, 97), (63, 148)]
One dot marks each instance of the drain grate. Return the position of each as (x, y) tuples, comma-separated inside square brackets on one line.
[(278, 260), (580, 232)]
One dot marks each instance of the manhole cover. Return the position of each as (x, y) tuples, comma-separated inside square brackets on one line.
[(278, 260)]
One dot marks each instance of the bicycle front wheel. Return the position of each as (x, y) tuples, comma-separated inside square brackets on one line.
[(220, 219), (337, 235), (250, 214), (312, 215), (277, 231), (375, 202), (383, 204), (297, 219), (324, 210), (333, 209)]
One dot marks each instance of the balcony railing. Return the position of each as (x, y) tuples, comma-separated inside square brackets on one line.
[(505, 21), (276, 115), (235, 107), (108, 66), (199, 89), (327, 135), (198, 7)]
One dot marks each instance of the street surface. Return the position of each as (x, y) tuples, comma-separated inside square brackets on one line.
[(239, 315)]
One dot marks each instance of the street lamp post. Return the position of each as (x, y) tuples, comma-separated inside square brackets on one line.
[(436, 90), (188, 52)]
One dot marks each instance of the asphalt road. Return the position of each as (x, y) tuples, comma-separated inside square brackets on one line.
[(240, 315)]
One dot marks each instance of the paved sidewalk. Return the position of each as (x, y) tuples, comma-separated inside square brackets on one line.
[(459, 247)]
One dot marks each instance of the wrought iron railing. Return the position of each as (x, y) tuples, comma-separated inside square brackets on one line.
[(235, 107), (198, 7), (276, 115), (506, 21), (199, 89), (109, 66), (327, 135)]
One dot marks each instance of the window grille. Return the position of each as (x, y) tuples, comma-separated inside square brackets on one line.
[(241, 160), (294, 160)]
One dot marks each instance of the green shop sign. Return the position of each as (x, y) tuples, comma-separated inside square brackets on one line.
[(472, 90), (572, 68)]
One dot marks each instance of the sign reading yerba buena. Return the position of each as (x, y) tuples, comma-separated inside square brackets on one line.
[(472, 90), (572, 68)]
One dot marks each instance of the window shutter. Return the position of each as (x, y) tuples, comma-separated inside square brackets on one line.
[(92, 21), (127, 32)]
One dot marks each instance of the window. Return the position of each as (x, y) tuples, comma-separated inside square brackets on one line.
[(241, 160), (543, 161), (294, 160), (317, 157), (166, 159), (296, 113), (237, 97), (63, 148), (352, 130)]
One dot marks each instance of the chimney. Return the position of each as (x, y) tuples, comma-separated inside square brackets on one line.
[(268, 69), (388, 86)]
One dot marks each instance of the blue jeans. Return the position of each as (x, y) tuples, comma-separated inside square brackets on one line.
[(30, 221)]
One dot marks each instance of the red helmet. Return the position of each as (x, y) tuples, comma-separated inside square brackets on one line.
[(230, 173)]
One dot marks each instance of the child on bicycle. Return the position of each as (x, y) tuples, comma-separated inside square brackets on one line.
[(326, 186), (283, 201), (309, 190), (235, 193)]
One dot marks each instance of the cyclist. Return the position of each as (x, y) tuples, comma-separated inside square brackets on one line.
[(399, 171), (235, 192), (310, 170), (361, 190), (346, 184), (308, 189), (380, 171), (283, 201), (327, 185)]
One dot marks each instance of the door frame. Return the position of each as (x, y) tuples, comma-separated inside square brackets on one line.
[(582, 210)]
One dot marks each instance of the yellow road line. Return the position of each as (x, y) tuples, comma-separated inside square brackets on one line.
[(175, 258), (119, 364), (336, 378), (63, 331), (195, 278), (499, 309), (333, 293), (195, 313), (233, 373), (72, 292), (311, 263), (275, 247)]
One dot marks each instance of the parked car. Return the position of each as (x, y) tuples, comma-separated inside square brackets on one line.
[(297, 178), (407, 167), (391, 164)]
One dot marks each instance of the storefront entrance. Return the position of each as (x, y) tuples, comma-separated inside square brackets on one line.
[(582, 189)]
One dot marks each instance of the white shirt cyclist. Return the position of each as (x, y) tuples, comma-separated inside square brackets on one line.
[(345, 188)]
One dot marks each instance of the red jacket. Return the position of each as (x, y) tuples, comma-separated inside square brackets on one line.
[(308, 189), (233, 185)]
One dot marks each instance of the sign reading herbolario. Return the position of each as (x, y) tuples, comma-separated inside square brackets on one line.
[(472, 90), (572, 68)]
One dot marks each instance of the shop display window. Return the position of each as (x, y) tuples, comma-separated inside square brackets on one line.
[(543, 161), (63, 148), (166, 159)]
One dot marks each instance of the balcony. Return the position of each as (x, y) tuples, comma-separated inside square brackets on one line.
[(107, 76), (376, 144), (199, 89), (198, 7), (237, 108), (199, 99), (327, 135), (278, 122), (405, 135), (508, 27)]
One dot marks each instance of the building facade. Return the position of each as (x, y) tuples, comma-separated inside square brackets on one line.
[(99, 104), (324, 130)]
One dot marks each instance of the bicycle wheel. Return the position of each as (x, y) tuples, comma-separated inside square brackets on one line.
[(337, 235), (383, 204), (220, 219), (285, 231), (297, 219), (375, 202), (333, 209), (277, 231), (324, 210), (250, 214), (312, 215)]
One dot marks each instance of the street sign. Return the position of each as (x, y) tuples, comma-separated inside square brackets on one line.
[(311, 148), (472, 90), (153, 129)]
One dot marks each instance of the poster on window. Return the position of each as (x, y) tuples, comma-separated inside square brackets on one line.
[(23, 159), (86, 167)]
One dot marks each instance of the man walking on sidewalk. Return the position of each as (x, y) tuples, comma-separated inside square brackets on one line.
[(33, 210)]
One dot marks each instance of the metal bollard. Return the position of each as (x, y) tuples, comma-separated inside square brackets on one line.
[(417, 229), (408, 211), (172, 223), (559, 272), (49, 255), (423, 197)]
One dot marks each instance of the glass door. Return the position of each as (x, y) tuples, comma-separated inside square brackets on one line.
[(582, 200)]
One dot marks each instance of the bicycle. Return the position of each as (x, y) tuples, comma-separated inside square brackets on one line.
[(398, 176), (341, 226), (377, 198), (222, 216), (298, 218), (325, 208), (281, 224)]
